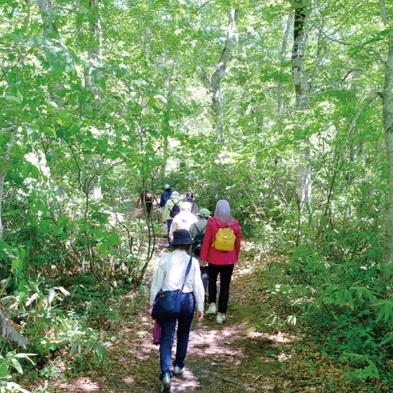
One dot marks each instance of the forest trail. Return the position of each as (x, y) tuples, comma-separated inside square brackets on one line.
[(229, 358)]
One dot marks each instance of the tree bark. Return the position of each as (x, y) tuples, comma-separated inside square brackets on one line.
[(214, 86), (9, 333), (3, 173), (302, 86), (280, 96), (46, 10), (388, 127), (219, 73), (302, 91)]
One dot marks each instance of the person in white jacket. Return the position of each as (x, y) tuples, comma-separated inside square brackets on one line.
[(183, 220), (169, 277)]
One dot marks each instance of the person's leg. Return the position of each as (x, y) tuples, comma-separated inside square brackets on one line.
[(205, 276), (166, 342), (168, 223), (213, 274), (225, 281), (183, 329), (149, 210)]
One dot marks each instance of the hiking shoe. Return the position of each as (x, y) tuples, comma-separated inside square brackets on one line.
[(221, 318), (212, 309), (178, 371), (166, 384)]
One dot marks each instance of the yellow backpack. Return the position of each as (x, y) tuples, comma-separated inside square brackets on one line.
[(224, 240)]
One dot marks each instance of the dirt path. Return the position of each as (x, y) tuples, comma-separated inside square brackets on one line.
[(228, 358)]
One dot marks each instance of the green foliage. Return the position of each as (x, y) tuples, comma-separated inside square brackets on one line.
[(343, 309), (11, 362), (92, 116), (50, 331)]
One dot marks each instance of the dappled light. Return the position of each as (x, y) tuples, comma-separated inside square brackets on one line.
[(221, 358), (110, 108), (81, 385)]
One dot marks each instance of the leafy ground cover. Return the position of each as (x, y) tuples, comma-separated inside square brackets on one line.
[(249, 353)]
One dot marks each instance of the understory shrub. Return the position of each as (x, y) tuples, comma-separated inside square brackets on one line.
[(344, 308)]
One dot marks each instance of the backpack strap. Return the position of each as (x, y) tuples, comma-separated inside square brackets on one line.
[(187, 271)]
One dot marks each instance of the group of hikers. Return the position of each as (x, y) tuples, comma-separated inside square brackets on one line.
[(202, 247)]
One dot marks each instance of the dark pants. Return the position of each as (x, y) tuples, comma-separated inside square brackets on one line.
[(168, 328), (205, 276), (225, 272), (169, 223)]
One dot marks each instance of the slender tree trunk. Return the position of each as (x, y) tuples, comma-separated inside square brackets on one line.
[(302, 86), (3, 173), (46, 10), (388, 127), (302, 91), (95, 50), (280, 97), (214, 86), (219, 74)]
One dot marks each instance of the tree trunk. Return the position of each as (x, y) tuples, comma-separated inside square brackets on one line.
[(302, 91), (214, 86), (302, 86), (3, 173), (45, 7), (388, 127), (219, 74), (9, 333), (280, 95)]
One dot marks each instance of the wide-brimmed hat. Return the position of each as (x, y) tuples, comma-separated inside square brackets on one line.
[(175, 194), (186, 206), (181, 237), (204, 213)]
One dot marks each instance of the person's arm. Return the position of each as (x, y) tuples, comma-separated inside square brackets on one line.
[(166, 211), (238, 234), (193, 230), (198, 290), (207, 240), (173, 228), (158, 281)]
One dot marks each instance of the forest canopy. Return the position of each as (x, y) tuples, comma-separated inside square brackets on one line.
[(284, 108)]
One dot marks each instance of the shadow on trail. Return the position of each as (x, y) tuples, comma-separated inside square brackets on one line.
[(227, 358)]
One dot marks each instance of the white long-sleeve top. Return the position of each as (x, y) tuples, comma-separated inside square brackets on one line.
[(170, 276)]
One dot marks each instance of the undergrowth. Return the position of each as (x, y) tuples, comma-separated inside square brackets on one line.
[(344, 311)]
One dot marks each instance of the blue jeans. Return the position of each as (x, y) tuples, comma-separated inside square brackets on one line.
[(168, 328)]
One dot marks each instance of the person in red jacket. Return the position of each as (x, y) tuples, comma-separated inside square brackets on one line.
[(220, 262)]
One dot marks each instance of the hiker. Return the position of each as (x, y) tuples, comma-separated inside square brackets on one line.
[(197, 231), (183, 220), (172, 208), (189, 197), (165, 196), (146, 198), (169, 276), (220, 262)]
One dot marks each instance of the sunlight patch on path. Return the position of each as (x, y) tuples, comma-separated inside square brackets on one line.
[(81, 384)]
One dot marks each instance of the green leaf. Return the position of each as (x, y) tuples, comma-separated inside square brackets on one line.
[(13, 99)]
